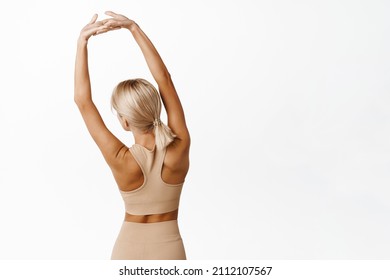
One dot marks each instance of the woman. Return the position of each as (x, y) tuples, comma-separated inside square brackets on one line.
[(149, 174)]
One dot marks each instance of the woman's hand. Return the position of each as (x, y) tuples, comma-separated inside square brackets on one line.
[(118, 21), (94, 28)]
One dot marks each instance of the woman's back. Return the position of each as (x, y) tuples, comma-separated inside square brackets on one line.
[(154, 196), (174, 169)]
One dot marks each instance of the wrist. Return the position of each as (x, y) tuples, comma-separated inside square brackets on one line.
[(82, 42), (132, 27)]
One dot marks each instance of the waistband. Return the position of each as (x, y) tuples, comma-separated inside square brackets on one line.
[(150, 232)]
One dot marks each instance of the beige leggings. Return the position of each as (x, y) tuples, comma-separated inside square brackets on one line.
[(149, 241)]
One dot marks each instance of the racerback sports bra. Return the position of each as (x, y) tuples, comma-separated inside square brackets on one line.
[(154, 196)]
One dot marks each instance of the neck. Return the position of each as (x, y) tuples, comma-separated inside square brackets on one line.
[(145, 139)]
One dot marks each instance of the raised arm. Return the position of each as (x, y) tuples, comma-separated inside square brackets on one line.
[(171, 101), (109, 145)]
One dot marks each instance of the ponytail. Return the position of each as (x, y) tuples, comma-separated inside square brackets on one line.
[(163, 134)]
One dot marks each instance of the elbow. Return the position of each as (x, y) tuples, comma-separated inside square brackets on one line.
[(164, 77), (81, 101), (167, 76), (82, 95), (77, 100)]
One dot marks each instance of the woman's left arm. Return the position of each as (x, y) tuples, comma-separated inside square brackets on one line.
[(110, 146)]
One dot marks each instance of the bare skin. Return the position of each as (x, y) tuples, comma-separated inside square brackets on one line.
[(125, 169)]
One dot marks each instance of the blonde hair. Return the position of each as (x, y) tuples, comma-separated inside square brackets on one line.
[(139, 103)]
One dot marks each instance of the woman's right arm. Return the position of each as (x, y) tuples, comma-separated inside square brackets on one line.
[(169, 96)]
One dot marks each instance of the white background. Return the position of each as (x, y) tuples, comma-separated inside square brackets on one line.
[(288, 107)]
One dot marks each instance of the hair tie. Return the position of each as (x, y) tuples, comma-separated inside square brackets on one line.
[(156, 122)]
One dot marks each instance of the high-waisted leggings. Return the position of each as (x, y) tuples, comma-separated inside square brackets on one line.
[(149, 241)]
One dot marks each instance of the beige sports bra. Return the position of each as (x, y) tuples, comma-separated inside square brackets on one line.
[(154, 196)]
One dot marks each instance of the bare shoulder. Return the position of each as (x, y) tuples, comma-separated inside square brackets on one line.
[(176, 162), (177, 155), (127, 173)]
